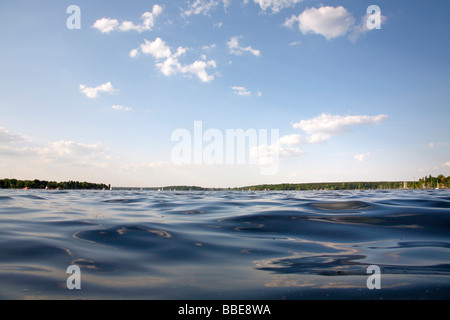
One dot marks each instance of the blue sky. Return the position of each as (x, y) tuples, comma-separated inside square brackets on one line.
[(101, 103)]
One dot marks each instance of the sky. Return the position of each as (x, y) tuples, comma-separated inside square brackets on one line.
[(149, 93)]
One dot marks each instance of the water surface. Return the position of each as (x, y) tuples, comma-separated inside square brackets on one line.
[(225, 245)]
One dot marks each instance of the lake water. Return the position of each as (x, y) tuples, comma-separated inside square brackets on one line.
[(225, 245)]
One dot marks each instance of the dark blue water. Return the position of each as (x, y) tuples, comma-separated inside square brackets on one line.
[(225, 245)]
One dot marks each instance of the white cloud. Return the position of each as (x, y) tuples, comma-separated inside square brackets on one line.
[(121, 108), (72, 148), (169, 63), (321, 128), (241, 91), (236, 49), (73, 153), (92, 93), (361, 157), (134, 53), (58, 153), (288, 145), (62, 151), (291, 140), (157, 48), (201, 7), (276, 5), (198, 68), (266, 155), (290, 22), (204, 7), (447, 164), (318, 130), (12, 151), (226, 3), (6, 136), (107, 25), (330, 22), (210, 47)]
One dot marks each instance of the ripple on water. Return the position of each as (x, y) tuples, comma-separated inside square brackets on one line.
[(133, 237), (342, 205)]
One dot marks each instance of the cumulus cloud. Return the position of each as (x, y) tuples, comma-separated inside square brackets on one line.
[(157, 48), (92, 93), (330, 22), (198, 68), (268, 154), (275, 5), (168, 61), (107, 25), (361, 157), (237, 49), (318, 130), (321, 128), (7, 137), (288, 145)]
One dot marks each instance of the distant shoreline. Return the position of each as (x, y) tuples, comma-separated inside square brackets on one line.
[(439, 182), (51, 185), (377, 185)]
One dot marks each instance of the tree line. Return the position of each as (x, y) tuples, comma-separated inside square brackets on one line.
[(429, 182), (43, 184), (327, 186)]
